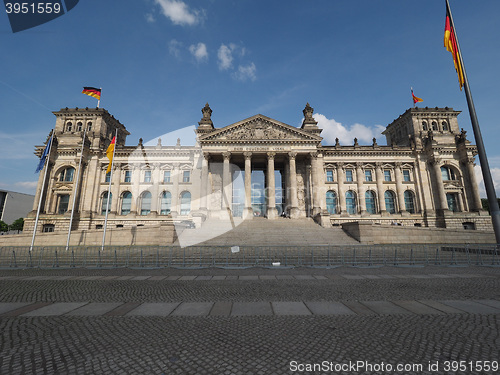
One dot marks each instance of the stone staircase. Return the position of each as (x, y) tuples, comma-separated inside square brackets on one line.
[(261, 232)]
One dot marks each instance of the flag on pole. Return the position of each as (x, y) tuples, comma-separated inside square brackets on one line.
[(415, 99), (93, 92), (44, 156), (109, 153), (450, 42)]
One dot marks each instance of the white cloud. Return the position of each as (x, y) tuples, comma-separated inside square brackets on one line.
[(245, 72), (179, 13), (199, 51), (150, 18), (174, 47), (333, 129), (495, 175), (225, 56)]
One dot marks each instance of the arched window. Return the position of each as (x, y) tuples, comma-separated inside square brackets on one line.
[(370, 202), (350, 201), (126, 203), (447, 173), (67, 174), (434, 125), (166, 203), (146, 203), (185, 203), (409, 201), (390, 202), (444, 124), (105, 202), (89, 126), (424, 126), (331, 202), (79, 126), (69, 126)]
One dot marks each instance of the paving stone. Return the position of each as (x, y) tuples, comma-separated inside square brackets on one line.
[(267, 277), (123, 278), (193, 309), (153, 309), (58, 308), (320, 277), (157, 278), (122, 309), (140, 278), (231, 277), (328, 308), (290, 308), (472, 307), (441, 307), (384, 307), (417, 307), (249, 278), (25, 309), (221, 309), (95, 309), (353, 277), (373, 277), (284, 277), (358, 308), (172, 278), (492, 302), (218, 278), (304, 277), (9, 306), (251, 308), (187, 278), (203, 278)]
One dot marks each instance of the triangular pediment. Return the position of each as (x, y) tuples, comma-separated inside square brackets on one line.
[(259, 128)]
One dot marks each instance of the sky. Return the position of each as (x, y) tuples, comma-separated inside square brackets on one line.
[(159, 61)]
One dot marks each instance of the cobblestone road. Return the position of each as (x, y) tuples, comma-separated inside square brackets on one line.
[(253, 321)]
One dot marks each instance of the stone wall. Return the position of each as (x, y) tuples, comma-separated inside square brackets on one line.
[(370, 233), (152, 235)]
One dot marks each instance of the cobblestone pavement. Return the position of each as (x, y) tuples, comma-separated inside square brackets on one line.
[(252, 321)]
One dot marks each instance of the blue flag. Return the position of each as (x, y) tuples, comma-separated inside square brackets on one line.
[(44, 156)]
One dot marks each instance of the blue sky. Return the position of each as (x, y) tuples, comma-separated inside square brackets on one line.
[(159, 61)]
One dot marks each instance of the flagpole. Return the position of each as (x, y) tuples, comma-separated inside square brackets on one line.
[(413, 100), (46, 166), (76, 187), (109, 192), (483, 160)]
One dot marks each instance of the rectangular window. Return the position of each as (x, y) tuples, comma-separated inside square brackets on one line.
[(186, 176), (166, 176), (368, 176), (48, 228), (387, 175), (147, 176), (63, 204), (406, 175), (348, 175), (329, 175), (108, 177), (128, 176)]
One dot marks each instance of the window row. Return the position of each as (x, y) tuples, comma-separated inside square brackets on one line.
[(78, 127), (370, 202), (147, 177), (144, 203), (435, 126), (369, 175)]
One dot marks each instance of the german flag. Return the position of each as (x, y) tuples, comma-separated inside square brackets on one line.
[(451, 44), (109, 153), (416, 99), (93, 92)]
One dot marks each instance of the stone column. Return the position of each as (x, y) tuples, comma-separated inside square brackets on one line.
[(475, 205), (272, 213), (341, 192), (155, 194), (175, 206), (361, 187), (442, 202), (400, 189), (294, 201), (380, 188), (115, 188), (204, 181), (136, 176), (316, 175), (248, 213), (226, 183)]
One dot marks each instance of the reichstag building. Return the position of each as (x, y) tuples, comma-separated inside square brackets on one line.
[(261, 167)]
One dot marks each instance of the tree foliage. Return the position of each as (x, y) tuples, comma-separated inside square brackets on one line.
[(3, 226), (17, 224)]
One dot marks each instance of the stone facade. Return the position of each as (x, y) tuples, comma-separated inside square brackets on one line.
[(261, 167)]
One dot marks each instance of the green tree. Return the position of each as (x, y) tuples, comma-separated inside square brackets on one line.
[(17, 225), (3, 226)]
